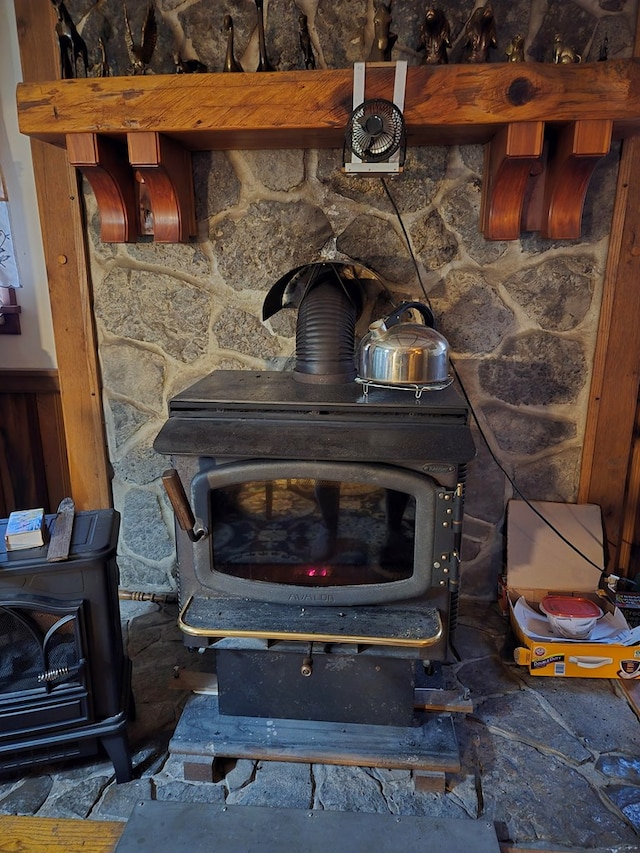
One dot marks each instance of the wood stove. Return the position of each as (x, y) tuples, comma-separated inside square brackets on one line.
[(64, 679), (327, 540), (324, 526)]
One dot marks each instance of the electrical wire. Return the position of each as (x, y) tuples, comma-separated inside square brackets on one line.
[(495, 459)]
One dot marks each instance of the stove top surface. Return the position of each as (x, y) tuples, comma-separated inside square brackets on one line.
[(279, 390), (238, 413)]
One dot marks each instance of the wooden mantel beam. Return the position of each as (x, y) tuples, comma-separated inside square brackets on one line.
[(301, 109), (508, 106)]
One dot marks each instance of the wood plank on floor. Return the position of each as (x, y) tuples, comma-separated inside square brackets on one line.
[(58, 835), (432, 745)]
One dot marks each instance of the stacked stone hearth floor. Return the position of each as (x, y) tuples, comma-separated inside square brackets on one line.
[(548, 761)]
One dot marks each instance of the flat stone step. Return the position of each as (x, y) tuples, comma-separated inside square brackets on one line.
[(198, 827)]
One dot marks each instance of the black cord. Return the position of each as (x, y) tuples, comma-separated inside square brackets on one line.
[(470, 405)]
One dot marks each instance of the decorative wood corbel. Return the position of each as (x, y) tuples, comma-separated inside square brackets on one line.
[(510, 158), (164, 168), (579, 147), (103, 161)]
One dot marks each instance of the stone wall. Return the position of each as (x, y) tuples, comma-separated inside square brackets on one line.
[(521, 317)]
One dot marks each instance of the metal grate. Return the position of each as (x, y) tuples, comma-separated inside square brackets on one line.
[(38, 650)]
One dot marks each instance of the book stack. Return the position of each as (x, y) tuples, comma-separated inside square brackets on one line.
[(25, 529)]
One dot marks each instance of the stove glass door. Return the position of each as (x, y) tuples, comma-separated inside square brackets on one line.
[(316, 533)]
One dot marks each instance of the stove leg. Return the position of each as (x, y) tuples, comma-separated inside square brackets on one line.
[(117, 748)]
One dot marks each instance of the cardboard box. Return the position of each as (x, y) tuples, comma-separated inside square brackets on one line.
[(539, 562)]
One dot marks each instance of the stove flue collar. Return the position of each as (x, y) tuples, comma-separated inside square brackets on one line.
[(291, 288)]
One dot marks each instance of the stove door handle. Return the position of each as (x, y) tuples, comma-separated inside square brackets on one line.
[(182, 509)]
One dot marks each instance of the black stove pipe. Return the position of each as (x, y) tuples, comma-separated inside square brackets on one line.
[(327, 314), (325, 335)]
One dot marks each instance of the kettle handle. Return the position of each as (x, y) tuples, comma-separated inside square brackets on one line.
[(421, 308)]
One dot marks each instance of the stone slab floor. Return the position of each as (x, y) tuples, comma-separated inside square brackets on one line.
[(548, 761)]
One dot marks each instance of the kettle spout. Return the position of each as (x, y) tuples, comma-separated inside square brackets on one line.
[(378, 329)]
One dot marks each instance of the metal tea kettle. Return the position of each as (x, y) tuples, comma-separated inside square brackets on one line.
[(400, 353)]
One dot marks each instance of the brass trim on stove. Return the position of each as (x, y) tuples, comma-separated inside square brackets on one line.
[(316, 637)]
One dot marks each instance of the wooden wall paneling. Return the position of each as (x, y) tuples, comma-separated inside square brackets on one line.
[(27, 381), (7, 497), (33, 459), (22, 451), (63, 235)]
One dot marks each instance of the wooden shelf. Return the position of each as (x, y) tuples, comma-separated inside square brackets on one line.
[(520, 105)]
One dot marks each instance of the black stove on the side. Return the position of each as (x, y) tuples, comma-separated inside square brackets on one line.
[(65, 681)]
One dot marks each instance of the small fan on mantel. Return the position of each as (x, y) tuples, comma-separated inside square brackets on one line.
[(375, 134)]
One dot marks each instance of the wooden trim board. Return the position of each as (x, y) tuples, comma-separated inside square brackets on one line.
[(63, 241), (613, 396), (29, 382)]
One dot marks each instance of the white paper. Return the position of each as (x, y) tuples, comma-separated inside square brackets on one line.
[(611, 628), (8, 270)]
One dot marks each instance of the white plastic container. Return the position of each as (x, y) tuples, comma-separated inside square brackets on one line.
[(570, 616)]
